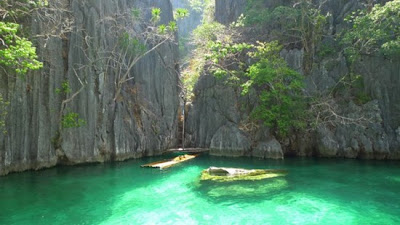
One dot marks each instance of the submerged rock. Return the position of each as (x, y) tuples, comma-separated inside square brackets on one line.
[(235, 190), (222, 174)]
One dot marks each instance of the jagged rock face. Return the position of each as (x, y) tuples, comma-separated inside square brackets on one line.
[(143, 120), (382, 79), (270, 149), (229, 140), (213, 107), (217, 105)]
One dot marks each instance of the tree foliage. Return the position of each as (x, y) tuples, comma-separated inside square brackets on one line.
[(374, 32), (180, 13), (16, 53), (197, 5), (299, 24), (203, 6), (203, 37), (207, 32), (72, 120), (280, 103)]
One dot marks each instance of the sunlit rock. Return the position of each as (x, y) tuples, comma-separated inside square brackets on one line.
[(222, 174)]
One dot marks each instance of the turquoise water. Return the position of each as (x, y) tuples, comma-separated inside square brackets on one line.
[(316, 191)]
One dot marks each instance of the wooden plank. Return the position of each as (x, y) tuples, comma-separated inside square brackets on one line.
[(168, 163), (165, 165), (153, 163)]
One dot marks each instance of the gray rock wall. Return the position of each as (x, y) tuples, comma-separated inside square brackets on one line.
[(143, 120), (218, 108), (214, 106)]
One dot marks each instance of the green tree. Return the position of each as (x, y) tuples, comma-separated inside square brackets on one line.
[(180, 13), (72, 120), (16, 53), (280, 104), (203, 37), (374, 32)]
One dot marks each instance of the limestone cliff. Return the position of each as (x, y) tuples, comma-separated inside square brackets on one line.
[(219, 114), (141, 122)]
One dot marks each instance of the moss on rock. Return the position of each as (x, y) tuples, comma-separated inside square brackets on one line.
[(220, 174)]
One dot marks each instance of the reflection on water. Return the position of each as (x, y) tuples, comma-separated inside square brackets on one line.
[(243, 189)]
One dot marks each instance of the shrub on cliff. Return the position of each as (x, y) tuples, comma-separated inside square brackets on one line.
[(376, 31), (280, 102)]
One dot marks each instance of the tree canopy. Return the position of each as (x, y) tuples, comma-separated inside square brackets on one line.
[(374, 32), (281, 105), (16, 53)]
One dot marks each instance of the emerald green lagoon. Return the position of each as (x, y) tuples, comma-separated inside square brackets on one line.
[(315, 191)]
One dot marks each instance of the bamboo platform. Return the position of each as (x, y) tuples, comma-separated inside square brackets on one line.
[(188, 150), (168, 163)]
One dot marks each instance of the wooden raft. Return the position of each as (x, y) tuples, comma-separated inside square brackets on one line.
[(168, 163)]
